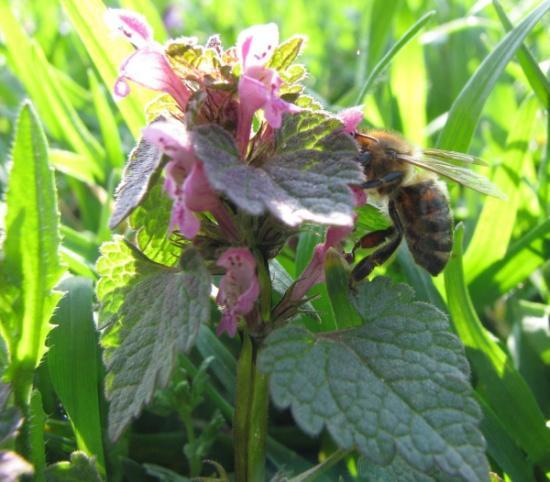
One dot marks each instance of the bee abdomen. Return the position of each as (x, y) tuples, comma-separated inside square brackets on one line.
[(426, 220)]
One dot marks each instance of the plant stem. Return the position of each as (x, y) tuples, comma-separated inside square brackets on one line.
[(258, 427), (250, 420), (242, 409)]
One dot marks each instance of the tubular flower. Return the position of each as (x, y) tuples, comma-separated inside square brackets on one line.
[(314, 272), (148, 65), (185, 181), (351, 118), (239, 288), (259, 86)]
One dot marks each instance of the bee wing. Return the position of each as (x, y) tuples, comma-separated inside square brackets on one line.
[(454, 157), (459, 174)]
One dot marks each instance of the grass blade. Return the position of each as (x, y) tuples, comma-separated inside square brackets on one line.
[(73, 352), (466, 110), (107, 53), (499, 216), (107, 122), (526, 255), (31, 250), (498, 382), (536, 78), (31, 66), (388, 57)]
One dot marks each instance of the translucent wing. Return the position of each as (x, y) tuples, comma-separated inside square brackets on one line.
[(454, 157), (459, 174)]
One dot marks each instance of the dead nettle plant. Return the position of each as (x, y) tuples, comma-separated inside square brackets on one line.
[(234, 162)]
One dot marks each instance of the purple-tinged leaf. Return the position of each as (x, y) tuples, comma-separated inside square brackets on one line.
[(139, 175), (306, 180)]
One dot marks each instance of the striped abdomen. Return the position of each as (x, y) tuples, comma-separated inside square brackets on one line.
[(423, 210)]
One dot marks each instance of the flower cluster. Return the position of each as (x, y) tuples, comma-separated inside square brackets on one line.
[(209, 86)]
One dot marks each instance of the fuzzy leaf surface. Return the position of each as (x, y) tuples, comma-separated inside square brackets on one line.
[(152, 314), (396, 388), (305, 180), (151, 220), (139, 174)]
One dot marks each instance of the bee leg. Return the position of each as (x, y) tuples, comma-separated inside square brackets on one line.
[(391, 178), (373, 239), (380, 256)]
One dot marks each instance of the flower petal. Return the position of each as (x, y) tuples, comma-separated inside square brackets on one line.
[(148, 67), (255, 45), (199, 196), (351, 118), (239, 287), (130, 25), (172, 137)]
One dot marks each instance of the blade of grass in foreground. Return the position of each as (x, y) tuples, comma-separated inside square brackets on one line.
[(466, 110), (73, 361), (107, 53), (29, 63), (498, 382), (498, 216), (31, 251), (536, 78), (388, 57), (526, 255)]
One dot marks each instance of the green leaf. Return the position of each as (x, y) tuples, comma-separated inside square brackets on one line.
[(151, 220), (388, 57), (140, 173), (466, 109), (152, 314), (533, 73), (107, 53), (502, 448), (306, 180), (337, 276), (499, 383), (395, 388), (108, 125), (73, 352), (499, 215), (31, 266), (79, 469), (527, 254), (29, 63), (286, 53), (36, 421), (75, 165)]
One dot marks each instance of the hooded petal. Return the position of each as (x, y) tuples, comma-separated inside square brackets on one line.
[(199, 196), (351, 118), (255, 45), (130, 25), (172, 137), (239, 287), (148, 67)]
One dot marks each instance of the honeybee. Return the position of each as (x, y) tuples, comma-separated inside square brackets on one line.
[(417, 200)]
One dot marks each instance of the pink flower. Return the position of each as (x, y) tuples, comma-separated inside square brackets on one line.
[(239, 288), (185, 181), (351, 118), (148, 65), (314, 272), (259, 85)]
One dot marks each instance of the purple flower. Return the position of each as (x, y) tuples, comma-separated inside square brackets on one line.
[(239, 288), (185, 181), (259, 85), (351, 118), (148, 65), (314, 272)]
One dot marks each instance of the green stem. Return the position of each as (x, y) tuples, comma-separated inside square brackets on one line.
[(242, 409), (257, 431)]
